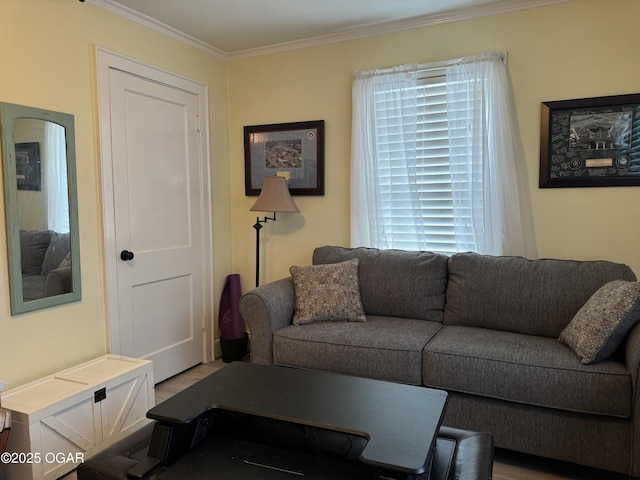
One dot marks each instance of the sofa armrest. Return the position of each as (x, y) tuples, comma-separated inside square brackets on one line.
[(58, 281), (267, 309), (632, 352)]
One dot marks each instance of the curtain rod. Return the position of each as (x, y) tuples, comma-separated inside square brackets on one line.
[(416, 67)]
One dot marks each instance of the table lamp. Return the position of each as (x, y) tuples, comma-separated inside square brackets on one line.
[(274, 197)]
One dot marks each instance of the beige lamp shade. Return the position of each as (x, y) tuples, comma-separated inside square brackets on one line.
[(275, 197)]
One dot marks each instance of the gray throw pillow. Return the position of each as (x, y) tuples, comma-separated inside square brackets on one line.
[(57, 251), (66, 261), (327, 293), (599, 327)]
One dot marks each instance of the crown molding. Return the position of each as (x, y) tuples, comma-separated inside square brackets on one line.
[(158, 26), (468, 13)]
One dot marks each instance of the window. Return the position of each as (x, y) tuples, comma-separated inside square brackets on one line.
[(431, 169), (416, 202)]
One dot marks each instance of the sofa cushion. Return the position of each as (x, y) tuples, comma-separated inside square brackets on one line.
[(525, 369), (384, 348), (33, 247), (534, 297), (32, 287), (394, 282), (602, 323), (327, 293)]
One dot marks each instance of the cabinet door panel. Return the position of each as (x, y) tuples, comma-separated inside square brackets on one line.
[(125, 407), (72, 430)]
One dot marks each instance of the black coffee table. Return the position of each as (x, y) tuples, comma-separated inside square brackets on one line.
[(250, 421), (399, 422)]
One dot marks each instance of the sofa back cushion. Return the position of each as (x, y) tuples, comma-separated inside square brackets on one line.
[(513, 294), (33, 247), (395, 283)]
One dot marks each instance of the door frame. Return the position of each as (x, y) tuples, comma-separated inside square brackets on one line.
[(105, 61)]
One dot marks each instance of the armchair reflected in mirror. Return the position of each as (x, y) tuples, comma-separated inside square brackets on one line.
[(38, 156)]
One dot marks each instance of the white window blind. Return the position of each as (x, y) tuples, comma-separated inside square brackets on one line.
[(424, 192), (436, 163)]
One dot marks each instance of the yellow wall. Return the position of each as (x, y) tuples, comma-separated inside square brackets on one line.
[(47, 58), (580, 49)]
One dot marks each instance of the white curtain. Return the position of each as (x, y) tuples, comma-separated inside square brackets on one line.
[(54, 159), (368, 157), (492, 213)]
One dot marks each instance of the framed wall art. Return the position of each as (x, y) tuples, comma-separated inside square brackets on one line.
[(28, 166), (293, 150), (590, 142)]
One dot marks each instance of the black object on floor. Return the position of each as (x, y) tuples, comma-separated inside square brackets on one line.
[(234, 349)]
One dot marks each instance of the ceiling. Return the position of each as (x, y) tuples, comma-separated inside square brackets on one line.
[(232, 28)]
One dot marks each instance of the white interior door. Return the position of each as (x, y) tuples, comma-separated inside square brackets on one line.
[(159, 308)]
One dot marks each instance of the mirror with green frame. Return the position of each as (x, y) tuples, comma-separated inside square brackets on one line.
[(41, 207)]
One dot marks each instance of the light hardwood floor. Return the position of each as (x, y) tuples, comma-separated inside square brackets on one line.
[(507, 465)]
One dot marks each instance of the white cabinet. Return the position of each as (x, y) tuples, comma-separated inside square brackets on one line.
[(60, 420)]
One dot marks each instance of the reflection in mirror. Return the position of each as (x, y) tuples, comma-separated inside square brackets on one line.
[(38, 149)]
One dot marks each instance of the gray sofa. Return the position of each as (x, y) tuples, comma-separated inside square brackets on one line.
[(45, 262), (486, 330)]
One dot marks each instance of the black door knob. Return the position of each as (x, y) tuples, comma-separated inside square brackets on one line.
[(126, 255)]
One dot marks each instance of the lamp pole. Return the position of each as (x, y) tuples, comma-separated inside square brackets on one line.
[(258, 226)]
